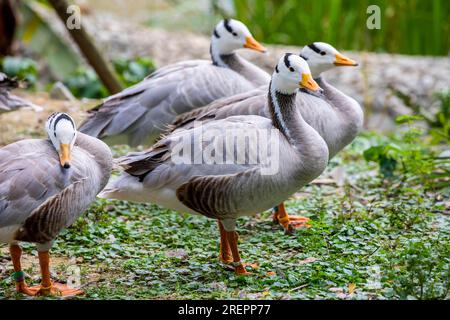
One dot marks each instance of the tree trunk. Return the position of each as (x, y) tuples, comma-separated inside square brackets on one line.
[(87, 47), (8, 24)]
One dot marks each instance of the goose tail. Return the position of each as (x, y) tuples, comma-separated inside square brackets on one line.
[(123, 187)]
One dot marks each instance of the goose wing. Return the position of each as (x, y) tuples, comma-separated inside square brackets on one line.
[(253, 102), (140, 113)]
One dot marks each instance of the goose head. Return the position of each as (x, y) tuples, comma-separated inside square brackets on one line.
[(230, 35), (322, 56), (291, 73), (62, 133)]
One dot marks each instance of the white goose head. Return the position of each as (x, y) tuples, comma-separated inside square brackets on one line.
[(230, 35), (322, 56), (62, 133), (291, 73)]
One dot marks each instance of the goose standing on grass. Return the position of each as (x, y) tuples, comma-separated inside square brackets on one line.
[(9, 102), (139, 114), (335, 116), (225, 186), (45, 185)]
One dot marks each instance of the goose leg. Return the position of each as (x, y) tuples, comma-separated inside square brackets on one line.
[(225, 251), (16, 253), (239, 267), (47, 287), (288, 222)]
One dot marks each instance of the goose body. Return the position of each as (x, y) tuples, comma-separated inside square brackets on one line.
[(37, 197), (10, 102), (152, 176), (139, 114), (41, 193), (196, 182), (337, 117)]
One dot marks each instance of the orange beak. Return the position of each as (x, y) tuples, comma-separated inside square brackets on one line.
[(64, 156), (342, 61), (309, 83), (251, 43)]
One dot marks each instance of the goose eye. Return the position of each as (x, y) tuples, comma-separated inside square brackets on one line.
[(323, 53), (291, 69), (235, 34)]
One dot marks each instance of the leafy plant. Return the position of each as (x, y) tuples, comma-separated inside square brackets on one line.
[(440, 123), (22, 68), (422, 270), (133, 71), (403, 158), (386, 155), (85, 83)]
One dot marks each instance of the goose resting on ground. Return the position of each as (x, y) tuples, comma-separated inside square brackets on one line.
[(9, 102), (335, 116), (189, 171), (139, 114), (45, 185)]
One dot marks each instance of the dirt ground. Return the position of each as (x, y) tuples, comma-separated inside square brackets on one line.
[(23, 124)]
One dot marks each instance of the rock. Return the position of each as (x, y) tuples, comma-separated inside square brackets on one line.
[(60, 92), (179, 253)]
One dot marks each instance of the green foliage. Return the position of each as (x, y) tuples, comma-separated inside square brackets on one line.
[(386, 155), (440, 123), (423, 270), (133, 71), (407, 26), (436, 116), (403, 158), (22, 68), (85, 83)]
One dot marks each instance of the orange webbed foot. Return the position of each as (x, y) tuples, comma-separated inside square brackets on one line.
[(241, 271), (289, 223), (57, 289), (24, 289)]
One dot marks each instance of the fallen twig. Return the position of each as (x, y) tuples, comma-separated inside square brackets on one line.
[(299, 287)]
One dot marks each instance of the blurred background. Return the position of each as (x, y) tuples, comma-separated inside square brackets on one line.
[(404, 65)]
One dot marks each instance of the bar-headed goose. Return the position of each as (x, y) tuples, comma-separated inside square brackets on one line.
[(231, 167), (140, 113), (335, 116), (10, 102), (45, 185)]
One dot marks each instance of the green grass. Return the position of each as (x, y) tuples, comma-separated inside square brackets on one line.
[(388, 237), (407, 26)]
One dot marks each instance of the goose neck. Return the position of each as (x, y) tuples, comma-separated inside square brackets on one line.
[(99, 150), (285, 116)]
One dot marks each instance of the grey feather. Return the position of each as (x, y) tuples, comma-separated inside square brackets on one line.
[(139, 114)]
